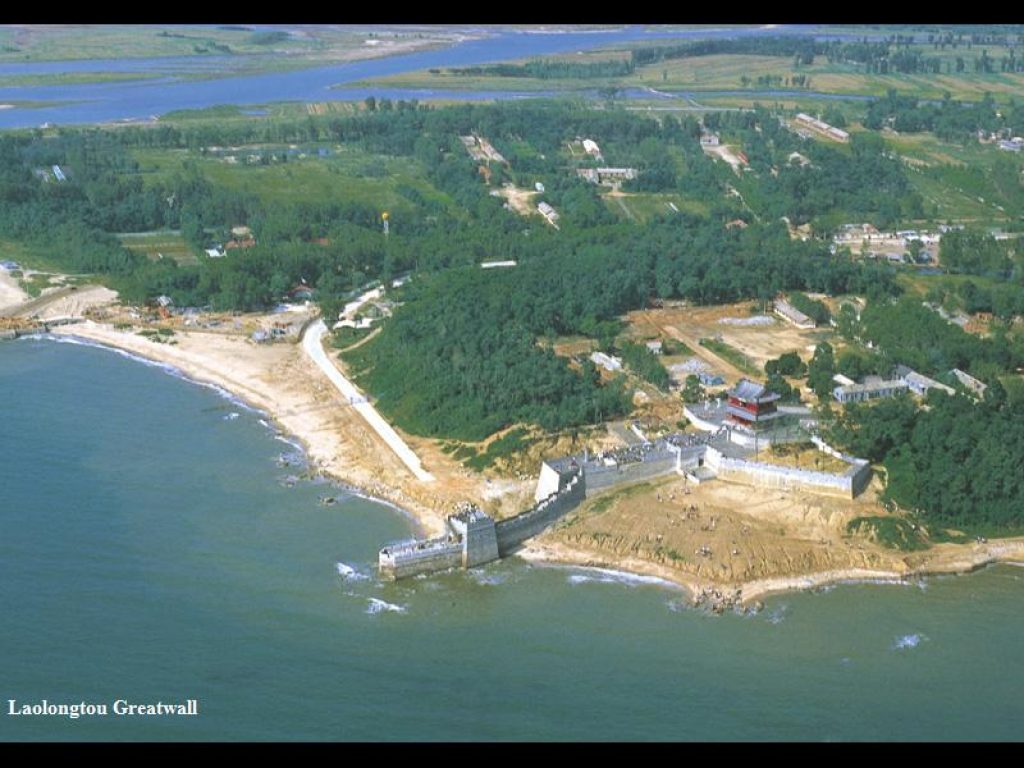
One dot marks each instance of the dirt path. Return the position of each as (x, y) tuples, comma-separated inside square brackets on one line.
[(721, 365), (625, 209)]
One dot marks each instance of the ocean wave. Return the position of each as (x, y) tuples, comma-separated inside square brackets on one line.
[(908, 641), (349, 573), (609, 576), (285, 439), (778, 615), (377, 606)]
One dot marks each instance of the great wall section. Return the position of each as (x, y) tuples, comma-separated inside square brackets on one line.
[(473, 538)]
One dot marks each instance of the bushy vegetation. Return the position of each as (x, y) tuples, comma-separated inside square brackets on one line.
[(645, 364), (814, 309)]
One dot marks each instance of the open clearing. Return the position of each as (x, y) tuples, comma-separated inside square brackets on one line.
[(758, 343)]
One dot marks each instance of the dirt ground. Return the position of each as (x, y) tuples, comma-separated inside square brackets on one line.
[(723, 533), (758, 343), (726, 153), (519, 200)]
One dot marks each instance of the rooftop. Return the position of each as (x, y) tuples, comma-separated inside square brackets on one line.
[(751, 391)]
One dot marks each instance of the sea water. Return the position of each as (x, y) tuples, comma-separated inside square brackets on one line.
[(152, 548)]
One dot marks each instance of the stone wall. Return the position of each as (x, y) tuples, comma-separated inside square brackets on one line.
[(772, 476), (514, 531), (400, 561), (600, 477)]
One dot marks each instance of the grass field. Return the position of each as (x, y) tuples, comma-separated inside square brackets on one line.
[(724, 72), (942, 173), (49, 42), (732, 355), (153, 244), (347, 175), (73, 78), (642, 206)]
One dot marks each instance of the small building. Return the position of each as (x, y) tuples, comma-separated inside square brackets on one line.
[(591, 148), (655, 347), (215, 253), (547, 212), (493, 264), (751, 406), (844, 381), (710, 379), (976, 386), (919, 384), (300, 292), (1006, 146), (709, 140), (606, 176), (787, 311), (607, 362), (821, 127), (58, 174), (538, 186), (872, 388), (615, 175)]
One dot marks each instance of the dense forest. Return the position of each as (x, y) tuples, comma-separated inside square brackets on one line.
[(956, 463), (948, 119)]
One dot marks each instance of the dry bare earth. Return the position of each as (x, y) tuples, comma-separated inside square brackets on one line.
[(722, 533)]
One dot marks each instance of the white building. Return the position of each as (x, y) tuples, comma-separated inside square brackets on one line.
[(548, 212), (591, 148), (607, 362)]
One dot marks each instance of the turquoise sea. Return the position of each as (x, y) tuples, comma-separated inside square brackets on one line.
[(153, 548)]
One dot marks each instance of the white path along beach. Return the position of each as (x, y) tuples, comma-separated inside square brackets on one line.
[(313, 346)]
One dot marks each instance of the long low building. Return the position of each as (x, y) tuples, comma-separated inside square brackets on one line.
[(919, 384), (794, 315), (872, 388), (836, 134)]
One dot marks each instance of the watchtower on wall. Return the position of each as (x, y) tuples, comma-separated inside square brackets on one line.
[(476, 531), (751, 407)]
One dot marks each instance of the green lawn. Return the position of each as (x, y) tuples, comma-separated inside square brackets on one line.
[(122, 41), (348, 174), (153, 244), (644, 206)]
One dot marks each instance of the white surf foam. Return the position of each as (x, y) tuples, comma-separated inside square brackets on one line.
[(349, 573), (377, 606), (609, 576), (908, 641)]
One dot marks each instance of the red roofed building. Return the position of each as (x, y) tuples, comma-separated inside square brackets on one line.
[(751, 405)]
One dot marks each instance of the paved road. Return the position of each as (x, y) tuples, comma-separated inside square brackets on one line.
[(312, 344)]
